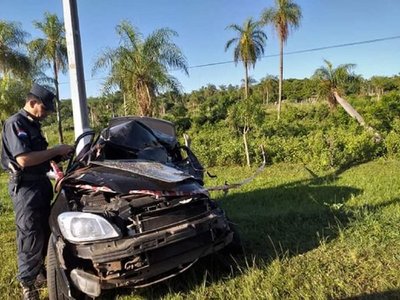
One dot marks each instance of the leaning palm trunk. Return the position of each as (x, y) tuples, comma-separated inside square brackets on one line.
[(354, 114)]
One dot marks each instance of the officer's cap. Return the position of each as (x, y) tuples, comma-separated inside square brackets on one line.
[(44, 95)]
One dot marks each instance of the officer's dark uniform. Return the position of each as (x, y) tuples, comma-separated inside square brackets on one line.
[(30, 190)]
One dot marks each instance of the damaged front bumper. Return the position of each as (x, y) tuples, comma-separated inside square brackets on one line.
[(144, 259)]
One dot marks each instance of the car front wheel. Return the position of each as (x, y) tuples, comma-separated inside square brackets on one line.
[(53, 285)]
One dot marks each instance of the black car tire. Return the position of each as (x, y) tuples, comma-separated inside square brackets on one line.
[(232, 253), (52, 278), (52, 265), (236, 246)]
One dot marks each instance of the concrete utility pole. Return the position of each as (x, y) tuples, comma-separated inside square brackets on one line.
[(76, 74)]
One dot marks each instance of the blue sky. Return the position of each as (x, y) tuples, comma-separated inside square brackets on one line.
[(202, 35)]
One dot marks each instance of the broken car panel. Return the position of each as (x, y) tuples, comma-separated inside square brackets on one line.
[(131, 211)]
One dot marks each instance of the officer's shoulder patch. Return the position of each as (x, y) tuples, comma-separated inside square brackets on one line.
[(21, 133)]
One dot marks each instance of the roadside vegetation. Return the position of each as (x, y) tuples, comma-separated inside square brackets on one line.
[(306, 236), (320, 222)]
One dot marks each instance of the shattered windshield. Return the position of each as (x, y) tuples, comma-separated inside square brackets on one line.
[(132, 139), (130, 135)]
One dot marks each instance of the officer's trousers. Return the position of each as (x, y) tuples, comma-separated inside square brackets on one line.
[(31, 200)]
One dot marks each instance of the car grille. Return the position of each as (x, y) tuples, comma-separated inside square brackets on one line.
[(158, 219), (135, 214)]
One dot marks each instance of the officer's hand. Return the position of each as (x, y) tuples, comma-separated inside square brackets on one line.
[(64, 150)]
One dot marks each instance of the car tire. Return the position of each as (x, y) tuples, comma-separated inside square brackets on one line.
[(52, 278), (231, 255), (236, 246), (52, 266)]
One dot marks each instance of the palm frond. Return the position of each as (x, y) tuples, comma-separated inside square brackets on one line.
[(139, 67)]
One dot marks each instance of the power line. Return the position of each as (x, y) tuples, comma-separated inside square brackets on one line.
[(306, 50), (286, 53)]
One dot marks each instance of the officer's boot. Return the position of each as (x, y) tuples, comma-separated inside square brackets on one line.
[(29, 291), (41, 278)]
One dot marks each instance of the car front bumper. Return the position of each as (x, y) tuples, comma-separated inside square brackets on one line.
[(147, 258)]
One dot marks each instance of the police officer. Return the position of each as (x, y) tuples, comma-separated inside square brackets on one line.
[(25, 155)]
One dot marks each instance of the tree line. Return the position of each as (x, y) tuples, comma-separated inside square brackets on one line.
[(139, 82), (138, 67)]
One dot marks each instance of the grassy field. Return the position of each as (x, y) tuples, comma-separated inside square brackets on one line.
[(306, 236)]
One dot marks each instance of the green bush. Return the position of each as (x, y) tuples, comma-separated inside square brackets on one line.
[(217, 145), (307, 133), (392, 140), (392, 144)]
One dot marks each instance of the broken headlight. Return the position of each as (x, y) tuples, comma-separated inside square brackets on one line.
[(78, 227)]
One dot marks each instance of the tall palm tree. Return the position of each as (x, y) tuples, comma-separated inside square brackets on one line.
[(333, 82), (51, 51), (249, 46), (284, 16), (12, 59), (139, 67)]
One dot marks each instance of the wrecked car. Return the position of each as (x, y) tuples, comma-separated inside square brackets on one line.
[(130, 211)]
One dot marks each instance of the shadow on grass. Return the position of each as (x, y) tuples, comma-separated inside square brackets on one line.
[(286, 220), (388, 295), (290, 219)]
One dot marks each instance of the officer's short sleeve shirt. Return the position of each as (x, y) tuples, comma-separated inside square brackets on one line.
[(21, 134), (17, 138)]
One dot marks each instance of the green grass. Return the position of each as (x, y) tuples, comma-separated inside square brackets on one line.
[(306, 236)]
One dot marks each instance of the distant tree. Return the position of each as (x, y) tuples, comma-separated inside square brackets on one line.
[(209, 90), (309, 89), (380, 84), (243, 116), (249, 46), (285, 15), (51, 52), (396, 81), (139, 67), (12, 95), (332, 83), (268, 87), (250, 81), (170, 103)]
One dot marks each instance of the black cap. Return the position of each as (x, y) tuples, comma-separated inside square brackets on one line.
[(44, 95)]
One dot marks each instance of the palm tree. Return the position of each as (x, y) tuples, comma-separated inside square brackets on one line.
[(268, 87), (284, 16), (51, 51), (249, 46), (333, 82), (12, 59), (139, 67)]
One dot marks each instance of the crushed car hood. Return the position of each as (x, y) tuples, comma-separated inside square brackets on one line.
[(130, 176), (149, 169)]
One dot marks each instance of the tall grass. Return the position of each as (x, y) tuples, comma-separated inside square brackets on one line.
[(306, 236)]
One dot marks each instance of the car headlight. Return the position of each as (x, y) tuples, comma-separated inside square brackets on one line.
[(78, 227)]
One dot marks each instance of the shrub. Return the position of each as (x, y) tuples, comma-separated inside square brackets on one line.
[(392, 140)]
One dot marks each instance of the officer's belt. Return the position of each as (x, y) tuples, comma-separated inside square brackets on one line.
[(29, 176)]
